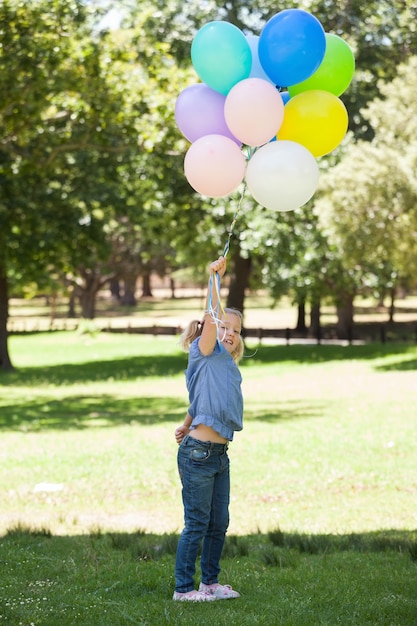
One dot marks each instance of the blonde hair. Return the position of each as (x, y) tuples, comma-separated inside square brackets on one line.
[(195, 328)]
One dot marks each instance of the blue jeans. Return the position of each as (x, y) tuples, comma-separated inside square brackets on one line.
[(205, 476)]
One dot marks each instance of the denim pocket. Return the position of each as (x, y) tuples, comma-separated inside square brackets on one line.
[(200, 454)]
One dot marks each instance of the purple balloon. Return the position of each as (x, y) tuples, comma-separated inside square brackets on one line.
[(199, 111)]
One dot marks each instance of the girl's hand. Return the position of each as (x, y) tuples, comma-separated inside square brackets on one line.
[(218, 266), (180, 433)]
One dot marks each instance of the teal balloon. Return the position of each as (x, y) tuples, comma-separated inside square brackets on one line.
[(221, 55)]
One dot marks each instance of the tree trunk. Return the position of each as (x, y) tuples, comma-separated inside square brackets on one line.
[(301, 318), (391, 305), (172, 287), (86, 290), (5, 362), (129, 290), (239, 282), (315, 323), (88, 303), (71, 301), (114, 287), (53, 302), (87, 293), (344, 327), (146, 285)]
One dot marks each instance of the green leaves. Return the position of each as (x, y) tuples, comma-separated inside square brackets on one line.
[(369, 203)]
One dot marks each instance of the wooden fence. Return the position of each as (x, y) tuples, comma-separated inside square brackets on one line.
[(364, 333)]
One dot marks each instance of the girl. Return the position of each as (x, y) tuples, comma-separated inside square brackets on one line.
[(215, 412)]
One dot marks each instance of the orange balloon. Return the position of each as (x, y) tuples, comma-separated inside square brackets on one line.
[(316, 119)]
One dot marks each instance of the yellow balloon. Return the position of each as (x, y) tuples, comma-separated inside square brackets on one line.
[(316, 119)]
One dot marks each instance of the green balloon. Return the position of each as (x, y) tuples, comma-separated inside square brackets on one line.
[(335, 72), (221, 55)]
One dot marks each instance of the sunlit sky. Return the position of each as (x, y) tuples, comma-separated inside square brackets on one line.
[(111, 20)]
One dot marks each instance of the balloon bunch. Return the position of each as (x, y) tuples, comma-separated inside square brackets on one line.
[(267, 107)]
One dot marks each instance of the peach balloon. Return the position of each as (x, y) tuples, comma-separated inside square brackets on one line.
[(254, 111), (214, 166)]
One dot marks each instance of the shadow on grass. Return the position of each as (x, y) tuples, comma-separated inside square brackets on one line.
[(161, 366), (150, 546), (90, 411), (400, 366), (376, 541), (311, 354), (122, 369), (79, 412)]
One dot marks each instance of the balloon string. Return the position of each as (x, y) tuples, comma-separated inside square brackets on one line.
[(217, 311), (232, 225)]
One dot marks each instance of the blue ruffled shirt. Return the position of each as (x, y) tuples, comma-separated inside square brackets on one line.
[(214, 388)]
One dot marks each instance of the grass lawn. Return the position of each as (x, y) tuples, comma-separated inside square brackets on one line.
[(323, 511)]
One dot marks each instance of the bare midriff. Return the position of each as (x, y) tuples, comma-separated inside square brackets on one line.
[(206, 433)]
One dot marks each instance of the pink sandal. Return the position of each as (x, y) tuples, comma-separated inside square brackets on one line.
[(222, 592), (194, 596)]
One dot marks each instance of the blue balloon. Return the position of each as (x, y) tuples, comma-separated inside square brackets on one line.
[(257, 70), (285, 96), (291, 46)]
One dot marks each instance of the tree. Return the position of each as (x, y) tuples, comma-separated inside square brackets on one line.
[(369, 202), (381, 33), (90, 143), (36, 42), (62, 128)]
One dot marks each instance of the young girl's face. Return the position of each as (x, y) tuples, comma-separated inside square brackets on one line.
[(229, 331)]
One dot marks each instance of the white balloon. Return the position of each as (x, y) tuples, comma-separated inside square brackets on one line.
[(282, 175)]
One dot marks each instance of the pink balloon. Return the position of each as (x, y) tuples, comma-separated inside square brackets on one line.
[(214, 166), (199, 111), (254, 111), (282, 176)]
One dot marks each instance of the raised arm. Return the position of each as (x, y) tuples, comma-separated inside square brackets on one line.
[(209, 332)]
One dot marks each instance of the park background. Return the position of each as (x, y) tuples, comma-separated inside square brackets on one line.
[(93, 191), (94, 212)]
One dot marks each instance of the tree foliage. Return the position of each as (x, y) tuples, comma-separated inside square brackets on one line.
[(369, 200), (91, 161), (294, 252)]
